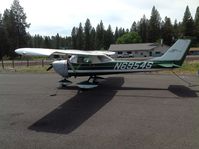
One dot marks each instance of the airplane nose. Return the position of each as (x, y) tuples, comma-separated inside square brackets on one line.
[(17, 51), (20, 51), (61, 67)]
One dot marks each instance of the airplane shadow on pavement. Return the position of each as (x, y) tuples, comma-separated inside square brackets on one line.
[(75, 111), (182, 91)]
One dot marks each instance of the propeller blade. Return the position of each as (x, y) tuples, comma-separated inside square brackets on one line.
[(50, 67)]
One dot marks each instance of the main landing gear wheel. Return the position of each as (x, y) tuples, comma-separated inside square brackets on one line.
[(92, 82), (95, 79)]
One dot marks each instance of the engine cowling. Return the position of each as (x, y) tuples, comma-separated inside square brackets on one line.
[(61, 67)]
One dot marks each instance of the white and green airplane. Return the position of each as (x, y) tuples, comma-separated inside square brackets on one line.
[(96, 63)]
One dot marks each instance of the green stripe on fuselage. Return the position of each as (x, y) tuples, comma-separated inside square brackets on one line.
[(118, 67)]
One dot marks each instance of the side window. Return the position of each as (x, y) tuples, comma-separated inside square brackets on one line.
[(103, 59), (84, 60)]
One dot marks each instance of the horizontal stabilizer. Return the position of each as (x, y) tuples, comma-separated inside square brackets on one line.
[(168, 65)]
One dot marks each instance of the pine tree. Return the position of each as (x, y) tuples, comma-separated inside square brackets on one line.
[(188, 23), (143, 29), (196, 21), (176, 31), (68, 42), (167, 31), (100, 36), (80, 37), (74, 37), (9, 29), (93, 39), (2, 38), (108, 37), (121, 32), (20, 22), (133, 27), (87, 32), (116, 35), (154, 25), (14, 21), (47, 42)]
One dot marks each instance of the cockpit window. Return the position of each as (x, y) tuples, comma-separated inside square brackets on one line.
[(83, 60)]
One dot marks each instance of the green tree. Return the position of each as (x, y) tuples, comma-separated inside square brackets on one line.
[(116, 34), (121, 32), (38, 41), (108, 37), (87, 32), (74, 37), (15, 25), (143, 28), (196, 21), (131, 37), (68, 42), (9, 29), (47, 42), (167, 31), (80, 37), (188, 23), (133, 27), (154, 25), (100, 36), (57, 41), (2, 38), (177, 30), (93, 39)]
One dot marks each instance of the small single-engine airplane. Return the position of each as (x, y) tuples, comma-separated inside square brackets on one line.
[(95, 63)]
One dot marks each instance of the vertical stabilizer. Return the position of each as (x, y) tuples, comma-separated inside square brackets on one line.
[(176, 53)]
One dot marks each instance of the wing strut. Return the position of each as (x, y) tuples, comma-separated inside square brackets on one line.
[(71, 66)]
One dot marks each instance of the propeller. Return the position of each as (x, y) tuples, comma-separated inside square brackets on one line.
[(50, 67)]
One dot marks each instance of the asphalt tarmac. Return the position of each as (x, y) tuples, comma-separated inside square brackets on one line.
[(135, 111)]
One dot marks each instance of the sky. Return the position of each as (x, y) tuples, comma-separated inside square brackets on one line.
[(49, 17)]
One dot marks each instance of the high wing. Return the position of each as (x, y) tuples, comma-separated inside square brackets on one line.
[(49, 52)]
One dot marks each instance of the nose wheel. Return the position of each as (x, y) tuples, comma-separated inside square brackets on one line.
[(65, 82)]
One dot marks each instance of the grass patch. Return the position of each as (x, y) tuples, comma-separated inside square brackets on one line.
[(32, 69), (188, 67), (25, 69)]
